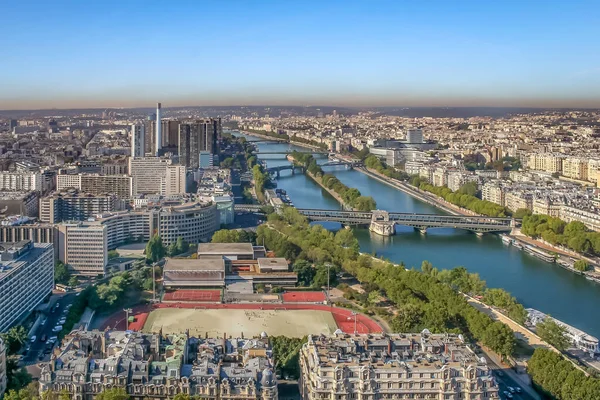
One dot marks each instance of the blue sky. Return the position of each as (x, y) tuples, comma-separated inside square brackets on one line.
[(401, 53)]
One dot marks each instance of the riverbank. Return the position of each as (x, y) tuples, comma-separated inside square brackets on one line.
[(274, 139), (331, 192)]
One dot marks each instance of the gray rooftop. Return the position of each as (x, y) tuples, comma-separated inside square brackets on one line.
[(225, 248), (189, 264)]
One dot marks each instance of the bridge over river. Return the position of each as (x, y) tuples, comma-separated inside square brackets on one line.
[(383, 222)]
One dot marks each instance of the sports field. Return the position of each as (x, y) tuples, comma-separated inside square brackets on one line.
[(216, 322)]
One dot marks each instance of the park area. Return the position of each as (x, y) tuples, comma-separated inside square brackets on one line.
[(235, 322)]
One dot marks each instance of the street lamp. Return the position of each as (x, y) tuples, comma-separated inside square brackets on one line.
[(127, 311), (354, 314)]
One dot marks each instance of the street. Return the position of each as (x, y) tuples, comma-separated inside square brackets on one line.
[(40, 350)]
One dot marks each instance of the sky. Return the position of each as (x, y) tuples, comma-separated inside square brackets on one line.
[(75, 54)]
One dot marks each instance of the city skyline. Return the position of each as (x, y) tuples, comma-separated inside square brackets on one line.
[(338, 54)]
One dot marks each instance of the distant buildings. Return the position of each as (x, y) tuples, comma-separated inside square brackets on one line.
[(19, 203), (21, 181), (196, 137), (161, 367), (393, 366), (26, 278)]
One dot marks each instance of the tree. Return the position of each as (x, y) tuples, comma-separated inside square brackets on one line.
[(407, 319), (61, 272), (14, 338), (155, 250), (113, 254), (16, 378), (73, 281), (374, 297), (553, 333), (521, 213), (469, 188), (581, 265), (226, 236), (182, 245), (113, 394), (305, 272), (426, 267)]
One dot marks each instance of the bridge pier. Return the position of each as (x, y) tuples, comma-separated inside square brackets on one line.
[(383, 228)]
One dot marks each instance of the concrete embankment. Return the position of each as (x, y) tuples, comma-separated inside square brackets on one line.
[(330, 191), (406, 188)]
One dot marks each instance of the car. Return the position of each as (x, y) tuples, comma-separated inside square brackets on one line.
[(511, 389), (53, 339), (508, 394), (77, 294), (33, 339), (57, 328), (43, 322), (68, 306), (43, 338), (27, 348), (62, 320), (518, 389)]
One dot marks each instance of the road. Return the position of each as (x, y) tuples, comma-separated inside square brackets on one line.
[(38, 348)]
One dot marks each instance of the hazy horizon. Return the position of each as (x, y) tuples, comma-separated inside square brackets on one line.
[(341, 53)]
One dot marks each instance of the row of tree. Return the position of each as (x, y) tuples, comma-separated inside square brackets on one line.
[(233, 236), (350, 196), (261, 180), (559, 379), (573, 235), (422, 300), (156, 250), (286, 352), (462, 198), (375, 163)]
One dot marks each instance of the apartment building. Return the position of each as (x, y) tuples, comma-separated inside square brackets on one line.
[(148, 174), (83, 247), (517, 199), (174, 180), (25, 181), (546, 207), (393, 366), (492, 191), (589, 218), (161, 366), (26, 278), (19, 203), (75, 206), (96, 184), (547, 162), (575, 168)]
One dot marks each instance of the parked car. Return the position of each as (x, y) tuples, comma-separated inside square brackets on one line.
[(508, 394), (511, 389), (33, 339), (57, 328), (62, 320), (518, 389)]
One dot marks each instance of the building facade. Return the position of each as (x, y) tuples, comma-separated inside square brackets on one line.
[(148, 174), (21, 181), (196, 137), (160, 367), (393, 366), (75, 206), (138, 140), (121, 185), (27, 277), (83, 248)]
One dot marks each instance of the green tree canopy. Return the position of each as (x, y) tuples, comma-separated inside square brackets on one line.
[(553, 333), (155, 250), (61, 272)]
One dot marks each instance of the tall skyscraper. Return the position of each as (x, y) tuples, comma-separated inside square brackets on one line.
[(158, 139), (414, 136), (195, 137), (138, 139)]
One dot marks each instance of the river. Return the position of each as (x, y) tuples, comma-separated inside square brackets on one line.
[(535, 283)]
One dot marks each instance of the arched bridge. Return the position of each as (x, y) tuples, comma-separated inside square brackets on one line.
[(383, 222)]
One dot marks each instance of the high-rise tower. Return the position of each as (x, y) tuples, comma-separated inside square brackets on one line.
[(137, 140), (158, 139)]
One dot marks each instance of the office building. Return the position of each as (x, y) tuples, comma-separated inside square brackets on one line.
[(19, 203), (26, 181), (393, 366), (83, 247), (158, 138), (26, 278), (206, 159), (148, 174), (414, 136), (121, 185), (75, 206), (174, 180), (138, 139), (196, 137), (161, 367)]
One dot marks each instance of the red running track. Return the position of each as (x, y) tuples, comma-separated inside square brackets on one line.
[(193, 295), (303, 297)]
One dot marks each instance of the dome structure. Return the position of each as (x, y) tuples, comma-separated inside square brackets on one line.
[(267, 378)]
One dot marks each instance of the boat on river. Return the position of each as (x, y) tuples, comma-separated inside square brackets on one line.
[(541, 254), (507, 240), (578, 338)]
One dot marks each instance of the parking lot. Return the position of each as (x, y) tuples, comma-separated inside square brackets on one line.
[(39, 350)]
